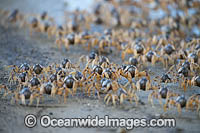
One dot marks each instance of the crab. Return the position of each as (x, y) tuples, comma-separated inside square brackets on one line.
[(73, 26), (190, 65), (37, 68), (13, 17), (167, 52), (44, 15), (119, 93), (136, 49), (23, 77), (60, 32), (180, 101), (143, 84), (90, 59), (96, 72), (133, 61), (162, 93), (196, 81), (165, 78), (151, 57), (130, 72), (46, 88), (83, 37), (193, 102), (79, 80), (44, 26), (70, 86), (24, 94), (34, 25), (193, 57), (66, 64), (127, 72), (104, 43), (48, 27), (6, 89), (104, 62), (16, 70), (109, 73), (93, 86), (67, 40)]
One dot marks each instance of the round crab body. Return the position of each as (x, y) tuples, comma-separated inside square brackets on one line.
[(48, 88), (139, 48), (169, 49), (26, 92), (37, 68), (163, 92), (69, 81), (149, 55), (34, 23), (22, 76), (107, 72), (131, 69), (143, 82), (71, 38), (181, 100), (53, 77), (133, 61), (98, 69), (78, 75), (92, 55), (34, 81), (106, 84)]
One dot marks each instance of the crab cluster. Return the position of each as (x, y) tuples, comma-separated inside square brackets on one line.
[(99, 78), (171, 40)]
